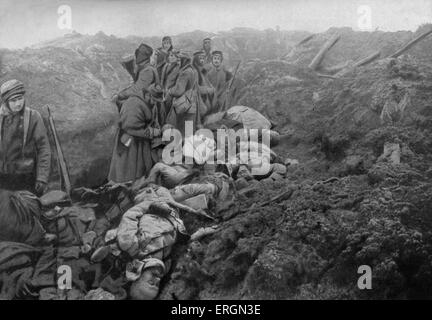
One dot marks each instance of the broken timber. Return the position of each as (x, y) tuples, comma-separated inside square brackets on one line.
[(302, 42), (360, 63), (321, 54), (410, 44)]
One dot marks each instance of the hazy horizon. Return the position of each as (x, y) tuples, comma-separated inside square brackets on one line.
[(25, 22)]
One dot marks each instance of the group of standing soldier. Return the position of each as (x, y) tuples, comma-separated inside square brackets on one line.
[(170, 88)]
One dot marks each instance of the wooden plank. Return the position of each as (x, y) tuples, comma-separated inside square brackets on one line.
[(360, 63), (324, 49), (410, 44)]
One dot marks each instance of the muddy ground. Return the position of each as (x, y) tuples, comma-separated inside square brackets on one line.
[(348, 208)]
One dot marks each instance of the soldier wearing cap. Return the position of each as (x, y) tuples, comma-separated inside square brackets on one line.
[(206, 89), (169, 76), (162, 54), (25, 153), (133, 155), (219, 77), (181, 95), (207, 52), (145, 73)]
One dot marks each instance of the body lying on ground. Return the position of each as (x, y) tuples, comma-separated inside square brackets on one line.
[(147, 233), (20, 214)]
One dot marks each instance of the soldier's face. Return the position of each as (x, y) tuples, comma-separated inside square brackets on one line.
[(201, 60), (217, 60), (172, 58), (207, 45), (16, 104), (147, 286), (166, 44)]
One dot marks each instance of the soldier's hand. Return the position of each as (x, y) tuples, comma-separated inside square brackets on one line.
[(147, 133), (40, 188), (156, 132)]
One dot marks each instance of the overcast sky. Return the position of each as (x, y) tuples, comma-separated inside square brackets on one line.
[(26, 22)]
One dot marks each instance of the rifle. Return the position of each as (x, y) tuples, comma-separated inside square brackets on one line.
[(188, 209), (64, 173), (198, 106), (230, 86)]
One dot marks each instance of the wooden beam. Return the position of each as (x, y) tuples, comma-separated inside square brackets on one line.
[(305, 40), (361, 62), (410, 44), (321, 54), (368, 59), (302, 42)]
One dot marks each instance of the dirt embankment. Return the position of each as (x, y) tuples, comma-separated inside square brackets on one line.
[(354, 201)]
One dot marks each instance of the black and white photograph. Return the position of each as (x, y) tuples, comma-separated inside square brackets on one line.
[(232, 152)]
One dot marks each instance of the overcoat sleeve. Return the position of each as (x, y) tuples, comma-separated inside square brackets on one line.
[(135, 118)]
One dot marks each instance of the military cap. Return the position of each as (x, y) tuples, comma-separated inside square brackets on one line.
[(217, 52), (143, 53), (199, 52)]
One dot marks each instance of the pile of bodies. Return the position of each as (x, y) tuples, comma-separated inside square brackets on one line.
[(115, 242)]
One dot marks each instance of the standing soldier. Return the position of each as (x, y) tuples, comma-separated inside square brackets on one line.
[(206, 90), (162, 54), (219, 77), (207, 52), (145, 74), (25, 153), (132, 152), (181, 95), (169, 76)]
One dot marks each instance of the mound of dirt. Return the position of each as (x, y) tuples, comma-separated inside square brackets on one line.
[(354, 203)]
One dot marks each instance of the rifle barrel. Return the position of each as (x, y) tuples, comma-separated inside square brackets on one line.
[(60, 156)]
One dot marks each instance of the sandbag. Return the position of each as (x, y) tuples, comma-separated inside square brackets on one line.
[(250, 118)]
